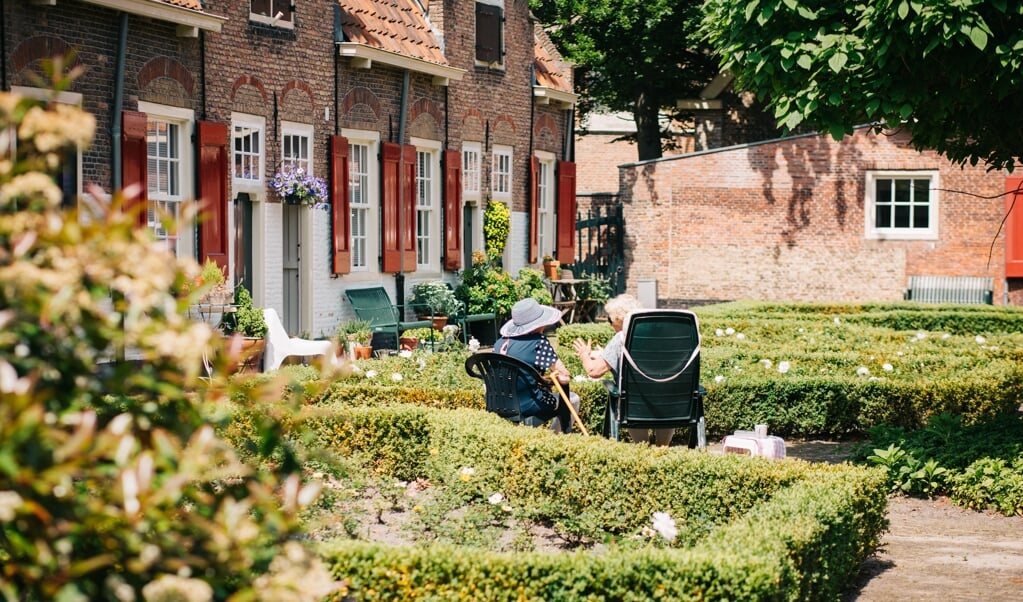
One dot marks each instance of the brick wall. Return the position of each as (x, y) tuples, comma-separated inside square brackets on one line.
[(785, 221), (159, 66)]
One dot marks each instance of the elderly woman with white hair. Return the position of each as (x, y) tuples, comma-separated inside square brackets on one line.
[(598, 362)]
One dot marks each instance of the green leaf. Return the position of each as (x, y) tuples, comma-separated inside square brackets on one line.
[(837, 61), (805, 61), (837, 131), (903, 9), (906, 111), (751, 8), (793, 120), (979, 38)]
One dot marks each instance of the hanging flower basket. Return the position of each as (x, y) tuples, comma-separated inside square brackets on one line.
[(296, 187)]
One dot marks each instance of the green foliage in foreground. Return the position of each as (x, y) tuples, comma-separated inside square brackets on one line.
[(113, 484), (750, 529)]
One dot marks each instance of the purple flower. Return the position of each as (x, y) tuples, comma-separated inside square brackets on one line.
[(295, 186)]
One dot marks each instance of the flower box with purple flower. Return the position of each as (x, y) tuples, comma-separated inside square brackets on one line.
[(296, 187)]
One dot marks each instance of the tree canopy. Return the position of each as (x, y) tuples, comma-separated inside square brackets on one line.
[(950, 72), (638, 56)]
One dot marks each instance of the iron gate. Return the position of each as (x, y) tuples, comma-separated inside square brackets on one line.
[(600, 238)]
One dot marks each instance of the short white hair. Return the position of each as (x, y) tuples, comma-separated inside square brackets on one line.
[(620, 306)]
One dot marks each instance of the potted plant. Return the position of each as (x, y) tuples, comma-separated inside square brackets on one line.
[(213, 284), (248, 322), (358, 335), (551, 267), (296, 187), (437, 298)]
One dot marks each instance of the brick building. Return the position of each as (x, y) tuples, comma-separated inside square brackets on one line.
[(810, 219), (416, 114)]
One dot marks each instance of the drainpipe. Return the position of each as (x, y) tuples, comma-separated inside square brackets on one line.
[(115, 129), (3, 48), (399, 278)]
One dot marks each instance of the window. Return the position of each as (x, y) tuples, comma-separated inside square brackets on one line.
[(296, 152), (471, 171), (427, 197), (501, 174), (902, 205), (361, 194), (276, 13), (546, 236), (168, 169), (489, 33), (69, 175), (247, 169)]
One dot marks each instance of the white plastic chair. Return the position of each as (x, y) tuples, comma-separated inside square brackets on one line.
[(279, 345)]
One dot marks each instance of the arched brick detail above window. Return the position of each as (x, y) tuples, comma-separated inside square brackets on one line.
[(425, 106), (38, 48), (545, 122), (472, 125), (248, 80), (299, 85), (163, 66), (360, 96), (503, 131)]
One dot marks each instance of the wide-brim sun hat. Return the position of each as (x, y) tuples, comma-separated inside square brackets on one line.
[(527, 315)]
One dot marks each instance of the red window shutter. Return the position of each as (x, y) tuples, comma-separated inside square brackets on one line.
[(534, 208), (409, 182), (339, 207), (566, 212), (398, 237), (211, 139), (1014, 227), (133, 164), (452, 210)]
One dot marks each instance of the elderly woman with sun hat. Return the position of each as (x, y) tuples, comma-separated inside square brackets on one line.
[(522, 338)]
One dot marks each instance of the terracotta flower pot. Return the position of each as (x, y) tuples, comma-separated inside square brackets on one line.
[(362, 352), (409, 343)]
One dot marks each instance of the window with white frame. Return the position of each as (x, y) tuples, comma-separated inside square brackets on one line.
[(296, 147), (427, 197), (168, 169), (69, 176), (247, 146), (362, 152), (276, 13), (545, 204), (490, 32), (471, 173), (501, 174), (902, 205)]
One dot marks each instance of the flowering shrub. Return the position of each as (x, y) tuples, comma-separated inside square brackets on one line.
[(113, 483), (296, 187)]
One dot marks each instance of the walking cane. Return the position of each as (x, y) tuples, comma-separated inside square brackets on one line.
[(568, 402)]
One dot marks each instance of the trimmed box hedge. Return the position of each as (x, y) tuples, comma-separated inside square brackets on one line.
[(753, 529)]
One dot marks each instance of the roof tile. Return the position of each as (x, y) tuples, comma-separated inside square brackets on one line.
[(398, 26), (547, 69)]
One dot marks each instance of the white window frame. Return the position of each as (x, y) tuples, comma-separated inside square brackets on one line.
[(545, 233), (472, 172), (364, 245), (270, 20), (184, 119), (427, 210), (9, 138), (300, 131), (501, 173), (873, 232), (255, 185)]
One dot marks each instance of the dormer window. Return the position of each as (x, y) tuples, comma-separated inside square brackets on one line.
[(490, 33), (276, 13)]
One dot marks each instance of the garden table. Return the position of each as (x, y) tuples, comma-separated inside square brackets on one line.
[(566, 298)]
